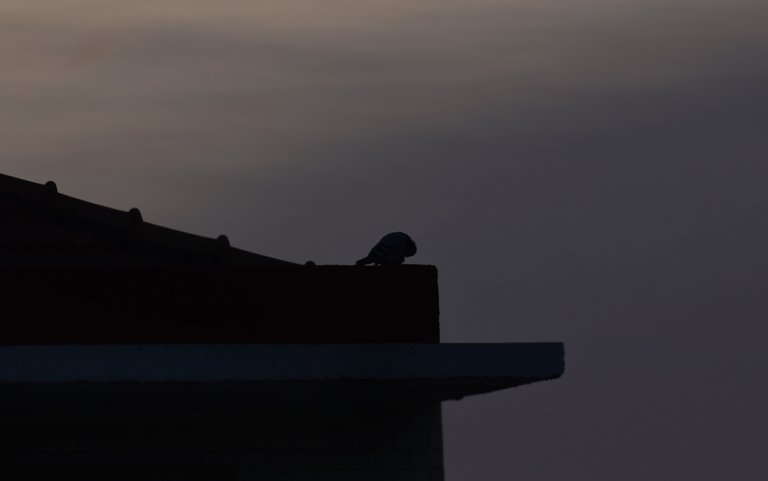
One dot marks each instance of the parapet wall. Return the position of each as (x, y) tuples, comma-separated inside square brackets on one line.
[(189, 305)]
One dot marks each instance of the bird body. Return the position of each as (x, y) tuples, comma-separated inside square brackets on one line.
[(391, 250)]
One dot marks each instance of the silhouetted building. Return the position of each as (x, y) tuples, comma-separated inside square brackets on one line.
[(131, 351)]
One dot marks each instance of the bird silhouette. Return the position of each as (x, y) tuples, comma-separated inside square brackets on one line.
[(391, 250)]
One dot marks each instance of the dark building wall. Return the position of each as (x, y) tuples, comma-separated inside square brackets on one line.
[(324, 443), (261, 304)]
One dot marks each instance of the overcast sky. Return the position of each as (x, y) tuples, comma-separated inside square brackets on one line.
[(584, 171)]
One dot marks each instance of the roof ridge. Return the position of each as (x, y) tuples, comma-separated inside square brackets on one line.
[(132, 222)]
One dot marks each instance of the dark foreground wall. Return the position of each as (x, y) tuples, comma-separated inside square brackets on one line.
[(177, 305), (244, 412), (317, 443)]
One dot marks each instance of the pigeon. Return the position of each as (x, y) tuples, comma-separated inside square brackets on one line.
[(391, 250)]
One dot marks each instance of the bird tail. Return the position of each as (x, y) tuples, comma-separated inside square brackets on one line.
[(365, 260)]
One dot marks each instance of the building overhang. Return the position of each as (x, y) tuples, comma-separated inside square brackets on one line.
[(248, 377)]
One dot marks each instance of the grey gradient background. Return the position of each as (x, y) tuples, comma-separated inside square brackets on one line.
[(586, 171)]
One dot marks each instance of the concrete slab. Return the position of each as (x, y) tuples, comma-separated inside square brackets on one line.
[(251, 376)]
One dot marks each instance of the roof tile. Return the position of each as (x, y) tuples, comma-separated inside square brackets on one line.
[(40, 227)]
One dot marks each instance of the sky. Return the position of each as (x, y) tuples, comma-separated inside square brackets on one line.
[(584, 171)]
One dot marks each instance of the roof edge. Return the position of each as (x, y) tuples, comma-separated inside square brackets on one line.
[(132, 223)]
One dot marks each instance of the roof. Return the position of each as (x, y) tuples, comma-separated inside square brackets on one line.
[(81, 273), (40, 227)]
